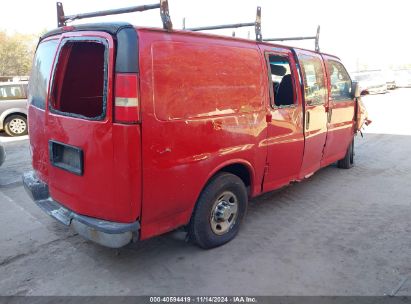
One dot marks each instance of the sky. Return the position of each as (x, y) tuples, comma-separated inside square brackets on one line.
[(361, 32)]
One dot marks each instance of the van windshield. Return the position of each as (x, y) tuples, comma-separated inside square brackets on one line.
[(40, 73)]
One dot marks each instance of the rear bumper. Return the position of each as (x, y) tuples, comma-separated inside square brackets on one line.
[(106, 233)]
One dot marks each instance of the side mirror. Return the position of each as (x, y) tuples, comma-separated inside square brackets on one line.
[(356, 89)]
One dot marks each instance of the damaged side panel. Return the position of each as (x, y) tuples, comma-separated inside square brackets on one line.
[(362, 116)]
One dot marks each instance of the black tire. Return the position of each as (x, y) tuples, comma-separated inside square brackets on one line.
[(16, 125), (203, 221), (348, 161)]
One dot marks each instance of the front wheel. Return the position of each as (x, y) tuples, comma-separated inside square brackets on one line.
[(219, 211), (15, 125), (348, 161)]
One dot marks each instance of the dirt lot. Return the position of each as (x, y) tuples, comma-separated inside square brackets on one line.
[(341, 232)]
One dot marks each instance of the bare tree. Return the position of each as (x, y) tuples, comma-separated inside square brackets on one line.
[(16, 54)]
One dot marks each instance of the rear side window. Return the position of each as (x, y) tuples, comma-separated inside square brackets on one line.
[(12, 92), (40, 73), (340, 81), (314, 80), (79, 83)]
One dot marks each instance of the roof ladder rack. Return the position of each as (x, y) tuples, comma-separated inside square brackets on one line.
[(316, 38), (163, 6), (256, 24)]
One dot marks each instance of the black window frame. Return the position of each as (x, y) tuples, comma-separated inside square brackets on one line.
[(82, 39), (270, 81)]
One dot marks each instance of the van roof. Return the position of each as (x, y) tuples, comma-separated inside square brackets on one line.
[(109, 27), (202, 34), (113, 28)]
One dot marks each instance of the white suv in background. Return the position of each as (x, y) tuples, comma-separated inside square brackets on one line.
[(13, 108)]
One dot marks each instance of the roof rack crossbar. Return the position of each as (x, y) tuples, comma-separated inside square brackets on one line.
[(256, 24), (316, 38), (288, 38), (163, 6), (218, 27)]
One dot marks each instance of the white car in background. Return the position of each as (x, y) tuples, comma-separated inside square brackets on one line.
[(390, 79), (403, 78), (372, 82), (13, 108)]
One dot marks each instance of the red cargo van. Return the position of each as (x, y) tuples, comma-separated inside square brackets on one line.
[(137, 131)]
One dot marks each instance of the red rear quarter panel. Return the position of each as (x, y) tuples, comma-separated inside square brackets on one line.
[(38, 142)]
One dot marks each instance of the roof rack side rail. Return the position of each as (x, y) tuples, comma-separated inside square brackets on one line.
[(163, 6), (256, 24), (316, 38)]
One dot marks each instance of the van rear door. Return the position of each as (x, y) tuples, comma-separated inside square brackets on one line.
[(79, 124), (93, 162)]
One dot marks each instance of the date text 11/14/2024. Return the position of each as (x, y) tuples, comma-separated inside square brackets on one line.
[(204, 299)]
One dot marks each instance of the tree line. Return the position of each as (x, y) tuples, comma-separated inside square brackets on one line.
[(16, 53)]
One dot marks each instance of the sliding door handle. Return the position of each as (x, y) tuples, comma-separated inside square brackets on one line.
[(307, 120)]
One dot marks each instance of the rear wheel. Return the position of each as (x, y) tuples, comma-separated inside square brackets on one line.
[(219, 211), (348, 161), (15, 125)]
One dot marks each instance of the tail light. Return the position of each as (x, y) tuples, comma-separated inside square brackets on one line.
[(126, 102)]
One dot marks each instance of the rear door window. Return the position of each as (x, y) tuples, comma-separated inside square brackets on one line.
[(340, 81), (314, 80), (40, 73), (80, 78)]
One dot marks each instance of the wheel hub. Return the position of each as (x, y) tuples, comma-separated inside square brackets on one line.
[(17, 126), (224, 213)]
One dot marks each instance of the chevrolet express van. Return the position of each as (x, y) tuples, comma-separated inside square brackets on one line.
[(138, 131)]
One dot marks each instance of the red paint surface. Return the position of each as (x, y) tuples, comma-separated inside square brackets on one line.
[(205, 105)]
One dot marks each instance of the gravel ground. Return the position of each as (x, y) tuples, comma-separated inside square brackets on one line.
[(341, 232)]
